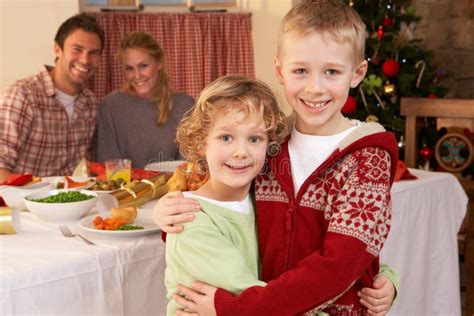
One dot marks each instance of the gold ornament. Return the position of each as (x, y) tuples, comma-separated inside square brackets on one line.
[(8, 220), (389, 89), (372, 118)]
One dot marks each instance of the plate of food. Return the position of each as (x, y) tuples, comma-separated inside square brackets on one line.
[(123, 222), (73, 183), (106, 186)]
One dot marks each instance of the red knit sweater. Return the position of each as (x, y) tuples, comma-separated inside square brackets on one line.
[(319, 248)]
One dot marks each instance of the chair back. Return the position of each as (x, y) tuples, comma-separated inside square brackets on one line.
[(449, 113)]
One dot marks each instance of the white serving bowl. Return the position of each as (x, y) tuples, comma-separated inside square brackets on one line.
[(55, 212)]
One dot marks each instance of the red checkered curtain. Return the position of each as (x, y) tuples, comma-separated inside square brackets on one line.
[(199, 47)]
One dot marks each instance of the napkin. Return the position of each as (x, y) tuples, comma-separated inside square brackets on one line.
[(16, 179), (98, 169), (402, 172)]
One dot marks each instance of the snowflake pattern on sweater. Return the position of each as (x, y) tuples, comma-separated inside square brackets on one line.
[(362, 208), (347, 197)]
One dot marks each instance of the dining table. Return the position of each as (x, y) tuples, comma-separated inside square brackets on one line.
[(422, 243), (44, 273)]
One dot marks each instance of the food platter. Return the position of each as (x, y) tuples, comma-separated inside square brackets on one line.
[(144, 219), (62, 183)]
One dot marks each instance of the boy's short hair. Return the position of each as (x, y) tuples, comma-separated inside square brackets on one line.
[(229, 93), (81, 21), (330, 17)]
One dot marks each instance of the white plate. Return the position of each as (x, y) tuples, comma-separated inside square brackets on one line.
[(164, 166), (145, 221), (55, 180), (102, 191), (34, 186)]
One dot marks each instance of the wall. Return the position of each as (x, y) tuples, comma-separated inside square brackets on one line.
[(447, 29), (27, 29), (266, 17)]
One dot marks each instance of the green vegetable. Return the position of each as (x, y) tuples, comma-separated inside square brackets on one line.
[(130, 227), (65, 197)]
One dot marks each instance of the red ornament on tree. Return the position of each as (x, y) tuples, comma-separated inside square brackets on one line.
[(387, 22), (390, 68), (426, 153), (350, 105), (380, 32)]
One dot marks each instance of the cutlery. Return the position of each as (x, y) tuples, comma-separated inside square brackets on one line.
[(67, 233)]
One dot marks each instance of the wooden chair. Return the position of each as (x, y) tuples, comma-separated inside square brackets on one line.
[(449, 113)]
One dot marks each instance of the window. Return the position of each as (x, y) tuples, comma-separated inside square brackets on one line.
[(131, 4)]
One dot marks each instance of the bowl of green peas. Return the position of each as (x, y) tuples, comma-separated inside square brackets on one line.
[(60, 205)]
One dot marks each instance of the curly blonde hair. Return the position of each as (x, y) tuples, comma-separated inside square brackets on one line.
[(229, 93), (163, 94)]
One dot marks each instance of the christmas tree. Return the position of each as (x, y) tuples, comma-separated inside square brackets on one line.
[(398, 67)]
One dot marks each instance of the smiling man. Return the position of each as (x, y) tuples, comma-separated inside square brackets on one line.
[(47, 121)]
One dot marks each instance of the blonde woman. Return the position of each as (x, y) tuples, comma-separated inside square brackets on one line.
[(139, 122)]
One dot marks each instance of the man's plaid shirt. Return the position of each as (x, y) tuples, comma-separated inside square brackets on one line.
[(36, 135)]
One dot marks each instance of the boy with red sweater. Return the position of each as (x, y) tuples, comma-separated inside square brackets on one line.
[(324, 201)]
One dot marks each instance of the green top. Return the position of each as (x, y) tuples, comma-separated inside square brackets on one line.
[(219, 247)]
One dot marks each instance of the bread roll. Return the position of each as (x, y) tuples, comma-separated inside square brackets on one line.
[(177, 182), (127, 214)]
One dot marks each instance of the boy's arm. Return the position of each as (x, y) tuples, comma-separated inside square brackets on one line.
[(325, 275)]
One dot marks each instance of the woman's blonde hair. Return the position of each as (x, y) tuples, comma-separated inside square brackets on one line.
[(229, 93), (327, 17), (162, 93)]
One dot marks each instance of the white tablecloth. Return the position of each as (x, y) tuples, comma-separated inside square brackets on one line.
[(422, 244), (44, 273)]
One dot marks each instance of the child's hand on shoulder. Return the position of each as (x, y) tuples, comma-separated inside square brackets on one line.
[(173, 209)]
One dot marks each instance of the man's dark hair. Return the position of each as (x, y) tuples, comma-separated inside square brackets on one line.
[(81, 21)]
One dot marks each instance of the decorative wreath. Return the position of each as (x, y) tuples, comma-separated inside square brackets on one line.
[(453, 152)]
